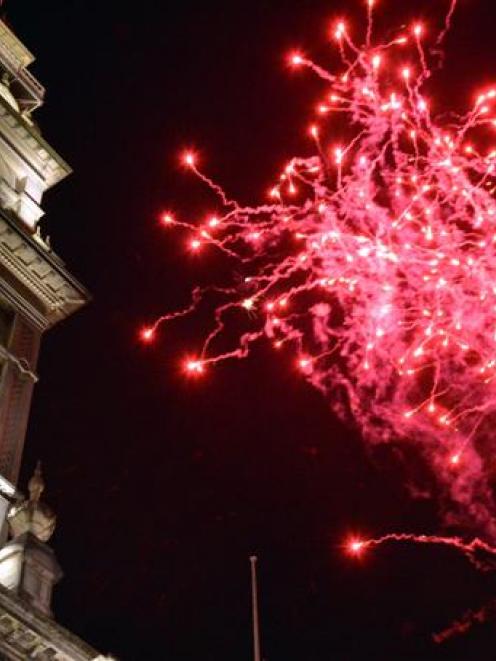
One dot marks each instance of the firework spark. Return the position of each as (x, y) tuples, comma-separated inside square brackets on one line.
[(374, 261)]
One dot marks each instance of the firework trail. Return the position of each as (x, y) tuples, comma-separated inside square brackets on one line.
[(479, 553), (466, 622)]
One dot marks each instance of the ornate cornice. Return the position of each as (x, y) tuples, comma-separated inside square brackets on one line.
[(50, 166), (49, 292), (27, 634)]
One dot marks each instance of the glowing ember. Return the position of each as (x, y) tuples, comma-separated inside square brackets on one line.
[(355, 547), (194, 367), (296, 59), (455, 459), (167, 218), (147, 334), (378, 253), (189, 159)]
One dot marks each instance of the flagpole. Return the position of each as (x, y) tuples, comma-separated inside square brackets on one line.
[(254, 604)]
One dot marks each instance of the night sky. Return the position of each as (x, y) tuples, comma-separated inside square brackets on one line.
[(164, 486)]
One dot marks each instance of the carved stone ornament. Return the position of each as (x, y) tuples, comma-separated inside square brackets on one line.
[(32, 515)]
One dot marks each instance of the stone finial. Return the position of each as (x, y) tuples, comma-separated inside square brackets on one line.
[(32, 515), (28, 566), (36, 484)]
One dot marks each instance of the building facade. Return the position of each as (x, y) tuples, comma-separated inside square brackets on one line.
[(36, 292)]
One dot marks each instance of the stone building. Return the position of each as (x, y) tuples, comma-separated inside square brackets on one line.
[(36, 291)]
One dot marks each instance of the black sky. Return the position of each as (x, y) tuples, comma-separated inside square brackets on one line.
[(164, 487)]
